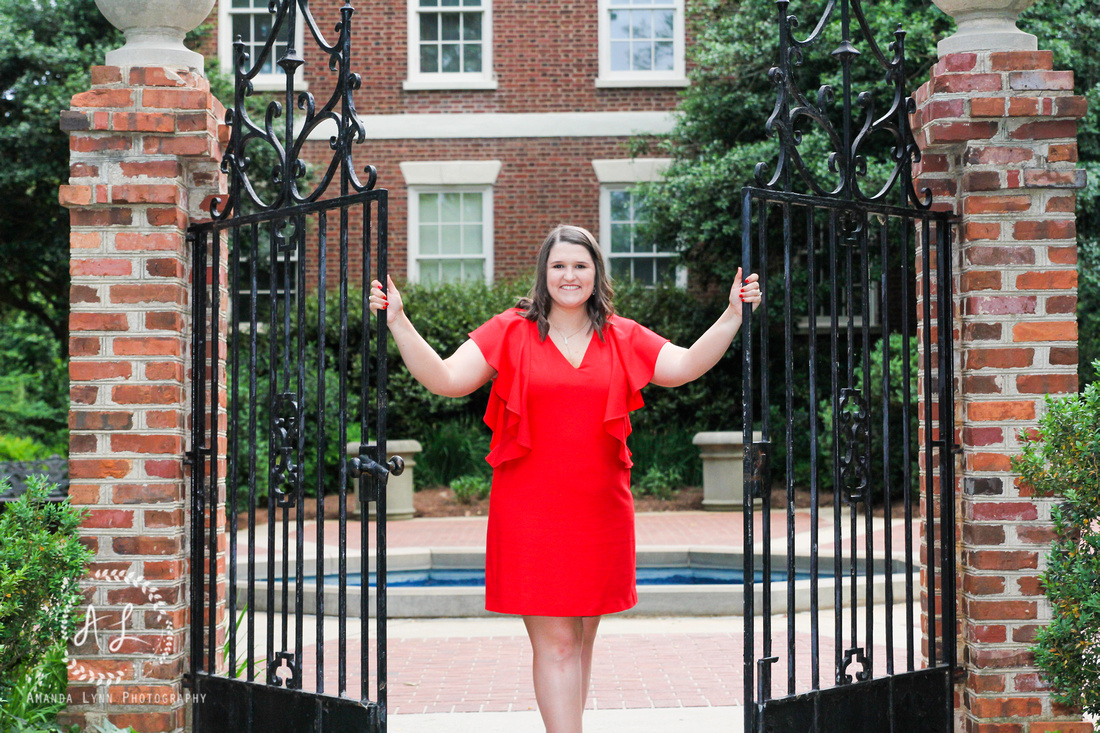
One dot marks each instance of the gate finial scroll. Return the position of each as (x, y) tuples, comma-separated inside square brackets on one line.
[(337, 114), (847, 138)]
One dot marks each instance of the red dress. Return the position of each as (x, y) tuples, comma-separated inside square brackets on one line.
[(561, 515)]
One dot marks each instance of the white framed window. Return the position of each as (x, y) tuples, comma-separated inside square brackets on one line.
[(450, 222), (641, 43), (622, 210), (252, 21), (450, 44)]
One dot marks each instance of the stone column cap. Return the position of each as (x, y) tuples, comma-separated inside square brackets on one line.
[(722, 437), (392, 446)]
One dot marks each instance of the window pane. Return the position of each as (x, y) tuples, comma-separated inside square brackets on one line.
[(471, 26), (642, 58), (642, 24), (621, 238), (263, 27), (620, 268), (429, 207), (473, 270), (449, 210), (241, 4), (429, 58), (472, 3), (429, 239), (666, 271), (643, 271), (471, 239), (471, 57), (429, 26), (620, 205), (242, 26), (429, 3), (429, 271), (451, 23), (449, 61), (663, 23), (620, 24), (620, 56), (471, 207), (664, 59), (450, 271), (450, 3), (450, 239)]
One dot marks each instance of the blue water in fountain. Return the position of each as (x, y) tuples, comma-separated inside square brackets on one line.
[(646, 576)]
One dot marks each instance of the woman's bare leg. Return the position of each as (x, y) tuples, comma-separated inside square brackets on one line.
[(562, 667), (589, 625)]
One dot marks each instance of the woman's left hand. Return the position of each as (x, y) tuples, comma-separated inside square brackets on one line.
[(747, 292)]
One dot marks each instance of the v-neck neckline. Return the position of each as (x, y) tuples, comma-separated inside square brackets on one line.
[(587, 347)]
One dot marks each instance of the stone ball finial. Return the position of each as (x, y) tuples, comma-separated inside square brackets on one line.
[(985, 25), (154, 31)]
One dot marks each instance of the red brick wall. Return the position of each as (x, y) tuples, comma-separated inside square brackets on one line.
[(999, 133)]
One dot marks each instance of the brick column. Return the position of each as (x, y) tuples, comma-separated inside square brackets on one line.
[(144, 150), (999, 135)]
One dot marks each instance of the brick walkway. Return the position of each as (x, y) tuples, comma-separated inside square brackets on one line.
[(483, 665)]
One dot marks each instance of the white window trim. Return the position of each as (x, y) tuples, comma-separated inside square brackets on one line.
[(418, 81), (619, 175), (261, 82), (606, 78), (469, 176)]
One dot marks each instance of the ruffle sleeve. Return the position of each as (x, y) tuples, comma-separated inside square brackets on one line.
[(505, 344), (634, 350)]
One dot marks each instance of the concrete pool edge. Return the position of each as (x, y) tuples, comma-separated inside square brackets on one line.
[(653, 600)]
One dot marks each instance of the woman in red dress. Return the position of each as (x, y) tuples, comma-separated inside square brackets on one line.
[(566, 373)]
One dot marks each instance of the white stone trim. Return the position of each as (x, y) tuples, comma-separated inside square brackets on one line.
[(630, 170), (491, 125), (450, 172)]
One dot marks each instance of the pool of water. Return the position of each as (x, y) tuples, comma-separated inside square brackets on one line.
[(646, 576)]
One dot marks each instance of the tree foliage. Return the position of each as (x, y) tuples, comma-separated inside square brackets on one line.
[(46, 51)]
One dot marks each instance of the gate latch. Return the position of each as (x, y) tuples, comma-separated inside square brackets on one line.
[(365, 466)]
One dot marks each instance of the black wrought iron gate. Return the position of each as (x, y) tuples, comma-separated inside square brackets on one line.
[(849, 526), (281, 606)]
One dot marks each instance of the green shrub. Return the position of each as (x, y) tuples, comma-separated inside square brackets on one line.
[(36, 694), (455, 449), (41, 561), (657, 482), (469, 489), (1064, 460), (22, 448)]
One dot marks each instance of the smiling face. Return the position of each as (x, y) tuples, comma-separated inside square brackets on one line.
[(570, 275)]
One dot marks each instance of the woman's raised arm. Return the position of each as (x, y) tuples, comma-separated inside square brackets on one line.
[(459, 374), (677, 365)]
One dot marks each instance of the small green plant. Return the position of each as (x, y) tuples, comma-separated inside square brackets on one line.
[(1063, 459), (36, 694), (41, 561), (659, 483), (471, 488)]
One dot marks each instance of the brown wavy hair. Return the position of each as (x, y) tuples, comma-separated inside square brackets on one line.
[(536, 306)]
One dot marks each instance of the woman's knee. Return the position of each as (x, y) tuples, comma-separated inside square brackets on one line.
[(558, 639)]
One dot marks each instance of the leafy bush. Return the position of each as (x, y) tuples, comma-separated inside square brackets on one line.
[(1064, 460), (455, 449), (469, 489), (660, 483), (36, 694), (41, 561), (20, 448), (34, 390)]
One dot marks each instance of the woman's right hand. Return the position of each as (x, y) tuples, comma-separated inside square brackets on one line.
[(388, 300)]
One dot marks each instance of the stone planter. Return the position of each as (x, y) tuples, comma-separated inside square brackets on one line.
[(154, 31), (399, 489), (723, 455), (985, 25)]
